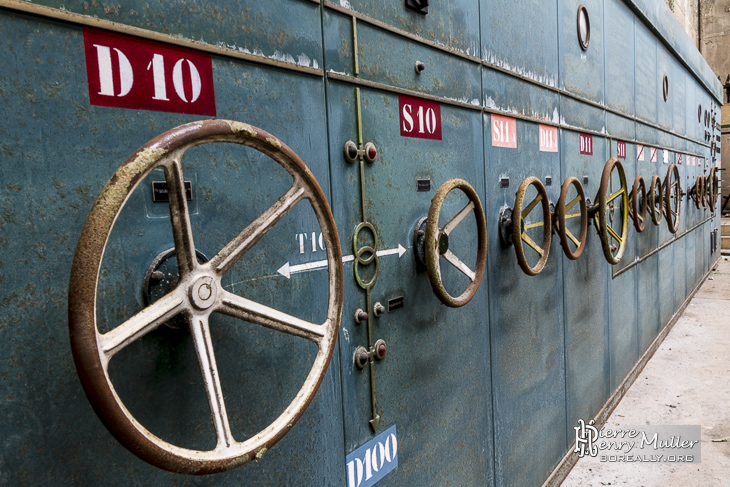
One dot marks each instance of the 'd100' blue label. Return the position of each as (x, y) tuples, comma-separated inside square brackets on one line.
[(374, 460)]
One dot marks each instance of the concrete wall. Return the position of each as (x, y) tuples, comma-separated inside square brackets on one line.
[(715, 35)]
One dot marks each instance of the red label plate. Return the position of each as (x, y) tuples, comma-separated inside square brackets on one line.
[(621, 149), (504, 132), (419, 118), (127, 72), (586, 144), (548, 138)]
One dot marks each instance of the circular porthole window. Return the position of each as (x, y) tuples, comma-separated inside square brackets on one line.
[(584, 27), (665, 85)]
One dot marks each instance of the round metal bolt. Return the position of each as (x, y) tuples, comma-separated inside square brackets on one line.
[(378, 309), (380, 349), (420, 67), (157, 276), (360, 316), (361, 357), (203, 292)]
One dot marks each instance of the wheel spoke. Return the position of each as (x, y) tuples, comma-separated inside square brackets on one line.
[(613, 234), (526, 238), (572, 203), (140, 324), (615, 195), (534, 225), (449, 227), (531, 206), (452, 259), (247, 310), (206, 358), (572, 237), (180, 218), (233, 251), (572, 215)]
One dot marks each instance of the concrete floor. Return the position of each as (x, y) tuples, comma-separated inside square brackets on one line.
[(686, 382)]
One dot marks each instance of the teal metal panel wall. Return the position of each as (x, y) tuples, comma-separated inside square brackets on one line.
[(477, 393)]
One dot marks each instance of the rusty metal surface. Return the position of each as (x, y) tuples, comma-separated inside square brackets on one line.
[(472, 390)]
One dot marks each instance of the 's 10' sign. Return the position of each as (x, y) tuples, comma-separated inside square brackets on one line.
[(419, 118), (127, 72)]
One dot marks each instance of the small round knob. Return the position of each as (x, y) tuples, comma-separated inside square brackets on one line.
[(360, 316), (378, 309), (380, 348), (361, 357), (350, 151), (420, 67), (370, 152)]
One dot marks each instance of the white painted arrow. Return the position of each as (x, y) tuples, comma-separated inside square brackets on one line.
[(287, 270)]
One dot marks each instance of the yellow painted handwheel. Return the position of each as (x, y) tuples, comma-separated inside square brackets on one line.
[(523, 224), (713, 185), (672, 198), (198, 294), (562, 215), (656, 200), (638, 204), (696, 193), (609, 201)]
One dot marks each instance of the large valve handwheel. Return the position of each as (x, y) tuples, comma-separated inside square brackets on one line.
[(672, 198), (436, 242), (562, 215), (521, 223), (656, 200), (713, 185), (638, 204), (703, 194), (610, 202), (198, 294)]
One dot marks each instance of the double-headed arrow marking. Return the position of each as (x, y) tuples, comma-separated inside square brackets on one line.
[(287, 270)]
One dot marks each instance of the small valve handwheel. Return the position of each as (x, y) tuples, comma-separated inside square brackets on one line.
[(672, 198), (696, 192), (608, 202), (567, 239), (521, 224), (713, 185), (656, 200), (197, 294), (436, 243), (638, 204)]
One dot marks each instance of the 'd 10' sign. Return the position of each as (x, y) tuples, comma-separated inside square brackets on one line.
[(419, 118), (127, 72)]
